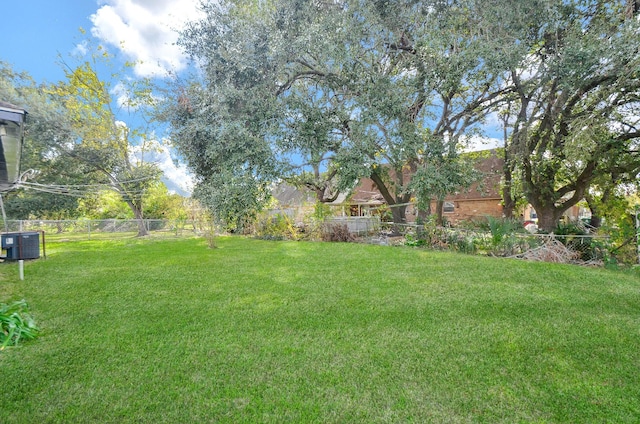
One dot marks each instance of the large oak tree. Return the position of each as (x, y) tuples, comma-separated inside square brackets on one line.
[(358, 89), (576, 97)]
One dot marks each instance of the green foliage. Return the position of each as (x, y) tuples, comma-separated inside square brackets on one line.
[(621, 247), (502, 227), (158, 203), (233, 200), (582, 64), (349, 88), (412, 241), (321, 211), (16, 324), (106, 204), (493, 236), (570, 227), (275, 227), (40, 155), (440, 172), (97, 139), (576, 237), (311, 225), (210, 232)]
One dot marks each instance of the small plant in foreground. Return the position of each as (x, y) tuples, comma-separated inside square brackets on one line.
[(16, 324), (413, 241)]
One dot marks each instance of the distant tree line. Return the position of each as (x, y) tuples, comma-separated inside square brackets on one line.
[(81, 158)]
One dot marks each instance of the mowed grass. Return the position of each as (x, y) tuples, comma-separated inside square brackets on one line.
[(169, 331)]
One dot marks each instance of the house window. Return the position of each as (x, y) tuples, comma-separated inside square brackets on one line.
[(448, 207)]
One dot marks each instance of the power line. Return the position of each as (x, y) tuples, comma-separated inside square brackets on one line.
[(79, 190)]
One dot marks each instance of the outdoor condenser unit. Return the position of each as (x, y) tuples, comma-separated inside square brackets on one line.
[(21, 245)]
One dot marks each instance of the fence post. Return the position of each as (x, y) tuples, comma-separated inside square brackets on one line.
[(638, 231)]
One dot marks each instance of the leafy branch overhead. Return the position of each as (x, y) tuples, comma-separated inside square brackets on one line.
[(326, 93)]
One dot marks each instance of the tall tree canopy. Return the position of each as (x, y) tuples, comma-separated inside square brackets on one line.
[(39, 160), (96, 140), (354, 89), (324, 90), (75, 144), (576, 101)]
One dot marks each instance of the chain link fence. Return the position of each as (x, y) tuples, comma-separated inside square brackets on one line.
[(88, 228), (591, 249), (583, 249)]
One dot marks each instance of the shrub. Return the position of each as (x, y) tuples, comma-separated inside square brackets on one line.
[(414, 241), (502, 227), (275, 227), (462, 242), (337, 232), (16, 324), (575, 236)]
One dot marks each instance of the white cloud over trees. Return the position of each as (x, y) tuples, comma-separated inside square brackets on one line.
[(145, 31)]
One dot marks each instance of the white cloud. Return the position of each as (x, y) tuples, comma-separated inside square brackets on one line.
[(477, 143), (146, 31), (121, 95), (80, 49), (177, 178)]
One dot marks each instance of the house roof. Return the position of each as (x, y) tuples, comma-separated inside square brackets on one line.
[(489, 163), (290, 196)]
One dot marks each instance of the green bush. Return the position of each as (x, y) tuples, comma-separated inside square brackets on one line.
[(502, 227), (414, 240), (463, 243), (16, 324), (275, 227)]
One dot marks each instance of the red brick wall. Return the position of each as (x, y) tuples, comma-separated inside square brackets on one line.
[(472, 209)]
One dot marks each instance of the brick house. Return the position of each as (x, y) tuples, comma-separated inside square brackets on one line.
[(481, 199)]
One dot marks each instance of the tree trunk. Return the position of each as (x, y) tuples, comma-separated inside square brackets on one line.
[(439, 213), (596, 220), (548, 218), (137, 213), (594, 207), (508, 202), (398, 213), (541, 198)]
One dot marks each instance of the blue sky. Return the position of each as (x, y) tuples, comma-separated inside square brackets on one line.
[(37, 33)]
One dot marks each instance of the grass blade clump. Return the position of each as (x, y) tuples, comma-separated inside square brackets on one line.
[(16, 324)]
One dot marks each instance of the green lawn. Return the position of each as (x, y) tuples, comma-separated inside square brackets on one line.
[(169, 331)]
